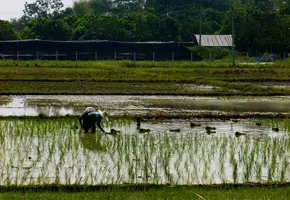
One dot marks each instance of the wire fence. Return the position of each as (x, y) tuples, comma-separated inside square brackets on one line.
[(211, 59), (79, 56)]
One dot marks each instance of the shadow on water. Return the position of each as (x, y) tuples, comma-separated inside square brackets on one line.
[(93, 142)]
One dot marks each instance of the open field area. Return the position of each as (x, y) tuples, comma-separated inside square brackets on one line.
[(125, 77), (208, 132)]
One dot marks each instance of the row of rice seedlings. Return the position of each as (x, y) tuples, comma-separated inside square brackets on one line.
[(141, 151)]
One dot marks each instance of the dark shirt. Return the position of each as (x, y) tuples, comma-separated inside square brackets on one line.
[(85, 113), (96, 118)]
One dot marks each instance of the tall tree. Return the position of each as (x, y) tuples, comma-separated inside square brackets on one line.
[(125, 6), (82, 8), (47, 29), (42, 8), (101, 6), (7, 32)]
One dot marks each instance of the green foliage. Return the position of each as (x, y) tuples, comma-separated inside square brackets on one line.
[(215, 52), (7, 32), (144, 77), (82, 8), (100, 7), (260, 26), (42, 8), (47, 29)]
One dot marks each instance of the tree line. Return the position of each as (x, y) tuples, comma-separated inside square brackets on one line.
[(260, 25)]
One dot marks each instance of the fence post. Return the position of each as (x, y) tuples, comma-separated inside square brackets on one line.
[(96, 56), (284, 58), (134, 57), (172, 58), (76, 58), (210, 58), (229, 59), (153, 58), (37, 57), (17, 55), (56, 55), (191, 56), (115, 56), (247, 58)]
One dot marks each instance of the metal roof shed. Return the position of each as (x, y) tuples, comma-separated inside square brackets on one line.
[(214, 40)]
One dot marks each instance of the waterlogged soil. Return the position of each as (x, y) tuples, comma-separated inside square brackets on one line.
[(119, 105), (40, 151), (54, 151)]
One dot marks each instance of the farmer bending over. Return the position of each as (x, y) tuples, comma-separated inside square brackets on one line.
[(85, 113), (92, 118)]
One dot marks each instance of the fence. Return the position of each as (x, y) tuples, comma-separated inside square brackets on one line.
[(85, 56), (241, 58)]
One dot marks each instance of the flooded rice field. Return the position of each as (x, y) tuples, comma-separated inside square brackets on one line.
[(60, 105), (36, 151)]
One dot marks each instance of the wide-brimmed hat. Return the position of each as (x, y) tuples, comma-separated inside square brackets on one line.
[(104, 114)]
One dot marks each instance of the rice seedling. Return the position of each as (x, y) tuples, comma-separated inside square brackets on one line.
[(62, 155)]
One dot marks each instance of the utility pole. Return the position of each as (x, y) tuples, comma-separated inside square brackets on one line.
[(233, 36), (200, 24)]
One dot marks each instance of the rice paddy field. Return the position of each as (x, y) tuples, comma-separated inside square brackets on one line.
[(206, 133), (54, 151)]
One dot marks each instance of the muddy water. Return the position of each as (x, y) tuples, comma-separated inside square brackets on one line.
[(59, 105), (46, 151)]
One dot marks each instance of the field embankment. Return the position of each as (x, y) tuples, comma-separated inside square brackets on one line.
[(151, 192), (125, 77)]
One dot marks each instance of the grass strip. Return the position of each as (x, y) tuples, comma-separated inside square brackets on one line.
[(232, 191), (107, 77)]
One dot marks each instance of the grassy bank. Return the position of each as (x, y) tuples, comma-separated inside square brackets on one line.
[(125, 77), (153, 192)]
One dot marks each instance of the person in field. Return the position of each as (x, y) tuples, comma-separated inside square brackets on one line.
[(91, 117), (85, 113)]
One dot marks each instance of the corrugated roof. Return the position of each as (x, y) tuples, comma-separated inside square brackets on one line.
[(215, 40)]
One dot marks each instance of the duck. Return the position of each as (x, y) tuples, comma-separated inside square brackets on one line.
[(238, 134), (175, 130), (193, 125), (143, 130), (275, 129), (114, 132), (210, 131), (138, 120), (258, 124), (209, 128)]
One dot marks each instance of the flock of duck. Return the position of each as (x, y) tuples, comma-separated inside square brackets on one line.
[(209, 130)]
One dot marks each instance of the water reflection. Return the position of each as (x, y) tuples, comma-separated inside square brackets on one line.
[(19, 106), (60, 105), (45, 151), (93, 142)]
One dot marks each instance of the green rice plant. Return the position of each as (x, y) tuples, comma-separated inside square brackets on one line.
[(235, 172)]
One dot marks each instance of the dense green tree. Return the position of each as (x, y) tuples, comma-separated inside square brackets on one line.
[(260, 25), (274, 32), (122, 7), (100, 7), (47, 29), (82, 8), (107, 27), (42, 8), (19, 23), (247, 23), (7, 31)]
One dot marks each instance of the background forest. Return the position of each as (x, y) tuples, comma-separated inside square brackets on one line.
[(260, 25)]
